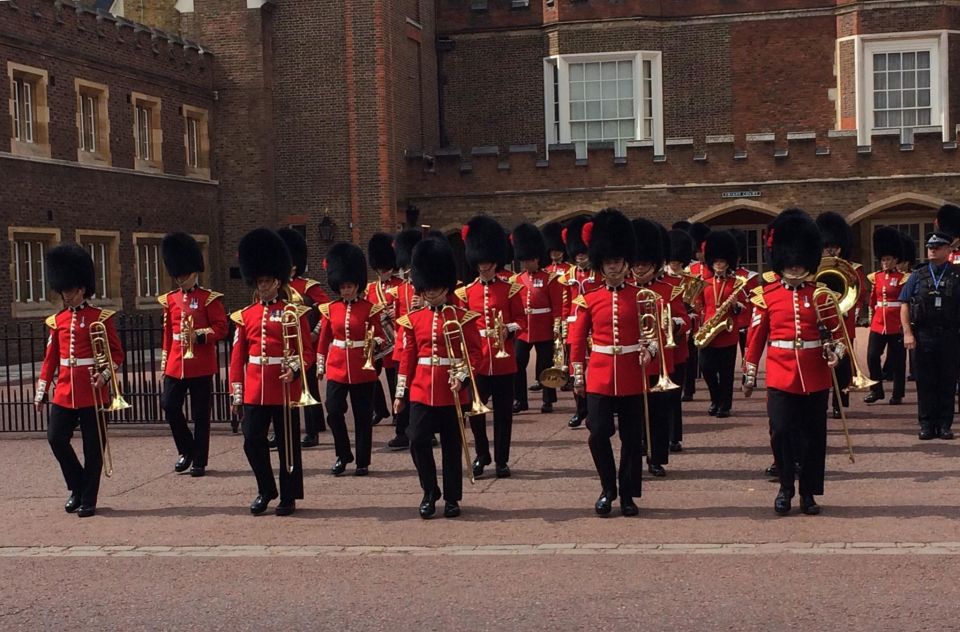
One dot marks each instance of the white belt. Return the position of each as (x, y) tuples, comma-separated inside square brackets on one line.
[(344, 344), (487, 333), (434, 361), (615, 349), (571, 319), (539, 310), (264, 360), (76, 362), (796, 344), (889, 304)]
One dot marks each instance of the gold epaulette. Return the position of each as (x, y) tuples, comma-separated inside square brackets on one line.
[(580, 301), (324, 309), (855, 265), (513, 278), (756, 297), (105, 315), (162, 299), (237, 316), (212, 297), (769, 276), (461, 293), (377, 308), (404, 321), (468, 316), (303, 310), (514, 289), (394, 291), (51, 321), (309, 283), (676, 292)]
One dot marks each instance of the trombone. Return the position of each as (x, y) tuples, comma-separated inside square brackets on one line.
[(103, 361), (460, 365), (831, 309), (292, 348), (647, 310)]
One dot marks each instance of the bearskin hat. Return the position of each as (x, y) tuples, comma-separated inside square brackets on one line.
[(432, 265), (682, 224), (740, 236), (553, 236), (720, 244), (948, 219), (346, 264), (908, 249), (795, 240), (404, 243), (181, 254), (681, 246), (698, 232), (297, 246), (381, 253), (528, 242), (664, 242), (262, 252), (836, 232), (69, 266), (771, 227), (649, 248), (611, 236), (887, 243), (573, 236), (485, 241)]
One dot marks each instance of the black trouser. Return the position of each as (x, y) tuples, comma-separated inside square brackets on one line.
[(544, 361), (85, 478), (629, 412), (936, 368), (361, 400), (676, 407), (717, 365), (743, 342), (896, 354), (382, 405), (196, 446), (693, 369), (659, 404), (256, 424), (798, 426), (581, 402), (844, 375), (402, 418), (500, 388), (313, 421), (425, 421)]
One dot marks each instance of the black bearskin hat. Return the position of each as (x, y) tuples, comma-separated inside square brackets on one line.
[(381, 253), (664, 242), (740, 236), (262, 252), (682, 224), (573, 236), (948, 219), (795, 240), (404, 244), (681, 246), (528, 242), (485, 241), (553, 236), (181, 254), (698, 232), (836, 232), (771, 227), (649, 248), (433, 265), (346, 264), (720, 244), (908, 249), (887, 243), (69, 266), (611, 236), (297, 246)]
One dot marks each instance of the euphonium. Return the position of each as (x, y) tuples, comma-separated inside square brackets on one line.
[(692, 287), (186, 336), (721, 320), (386, 323), (103, 361), (841, 277)]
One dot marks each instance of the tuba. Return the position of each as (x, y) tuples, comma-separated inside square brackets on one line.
[(103, 361), (721, 320)]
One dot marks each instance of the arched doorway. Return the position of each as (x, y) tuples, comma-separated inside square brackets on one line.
[(747, 215), (910, 213)]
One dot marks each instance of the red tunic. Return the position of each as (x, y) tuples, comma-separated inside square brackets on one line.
[(340, 347), (70, 350), (487, 299), (885, 301), (424, 363), (787, 319), (742, 320), (255, 364), (542, 297), (209, 319), (717, 290), (384, 292), (310, 288)]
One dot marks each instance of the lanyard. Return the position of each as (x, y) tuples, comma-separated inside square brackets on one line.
[(936, 279)]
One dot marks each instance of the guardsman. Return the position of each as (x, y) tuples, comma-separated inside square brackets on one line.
[(405, 300), (698, 233), (613, 378), (266, 368), (800, 354), (351, 337), (948, 221), (500, 306), (744, 316), (194, 321), (583, 279), (648, 274), (81, 380), (542, 296), (383, 261), (680, 254), (718, 356), (434, 377), (886, 333), (930, 317)]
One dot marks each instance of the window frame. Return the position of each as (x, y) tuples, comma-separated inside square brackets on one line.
[(101, 155), (114, 297), (201, 117), (38, 145), (51, 237), (562, 63), (149, 301), (154, 140)]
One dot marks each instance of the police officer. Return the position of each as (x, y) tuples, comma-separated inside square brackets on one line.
[(930, 315)]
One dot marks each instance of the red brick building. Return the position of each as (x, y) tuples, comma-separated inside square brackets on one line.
[(336, 116)]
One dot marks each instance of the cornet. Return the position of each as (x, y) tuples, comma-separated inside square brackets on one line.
[(186, 336), (103, 361), (369, 346), (500, 335)]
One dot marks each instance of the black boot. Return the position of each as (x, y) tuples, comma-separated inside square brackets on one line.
[(73, 503), (781, 504), (605, 503), (808, 505)]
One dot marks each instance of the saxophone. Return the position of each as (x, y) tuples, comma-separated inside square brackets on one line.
[(721, 320)]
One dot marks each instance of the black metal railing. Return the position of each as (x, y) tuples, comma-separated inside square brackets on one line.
[(141, 383)]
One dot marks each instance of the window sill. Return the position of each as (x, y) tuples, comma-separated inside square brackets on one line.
[(147, 303), (33, 310), (33, 150), (92, 158), (198, 173), (149, 166)]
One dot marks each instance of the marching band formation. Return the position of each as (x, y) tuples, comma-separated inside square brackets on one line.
[(624, 313)]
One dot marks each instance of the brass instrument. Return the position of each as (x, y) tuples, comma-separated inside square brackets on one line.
[(557, 375), (292, 343), (103, 361), (460, 364), (841, 277), (651, 330), (369, 346), (721, 320), (186, 332), (500, 336), (386, 322), (832, 310), (693, 287), (666, 318)]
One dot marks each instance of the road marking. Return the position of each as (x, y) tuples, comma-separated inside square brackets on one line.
[(550, 548)]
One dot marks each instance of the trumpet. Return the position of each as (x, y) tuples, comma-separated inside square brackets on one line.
[(500, 336), (186, 336), (103, 361), (461, 369), (831, 309), (369, 345), (558, 374), (292, 349), (666, 318)]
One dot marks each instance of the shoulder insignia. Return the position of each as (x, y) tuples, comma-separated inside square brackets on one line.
[(51, 321), (324, 310), (376, 309), (404, 321), (237, 317), (514, 289), (855, 265), (461, 293), (769, 276), (580, 301), (213, 296), (105, 315), (515, 278), (676, 292), (394, 291), (756, 297), (872, 277), (468, 316), (162, 299)]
